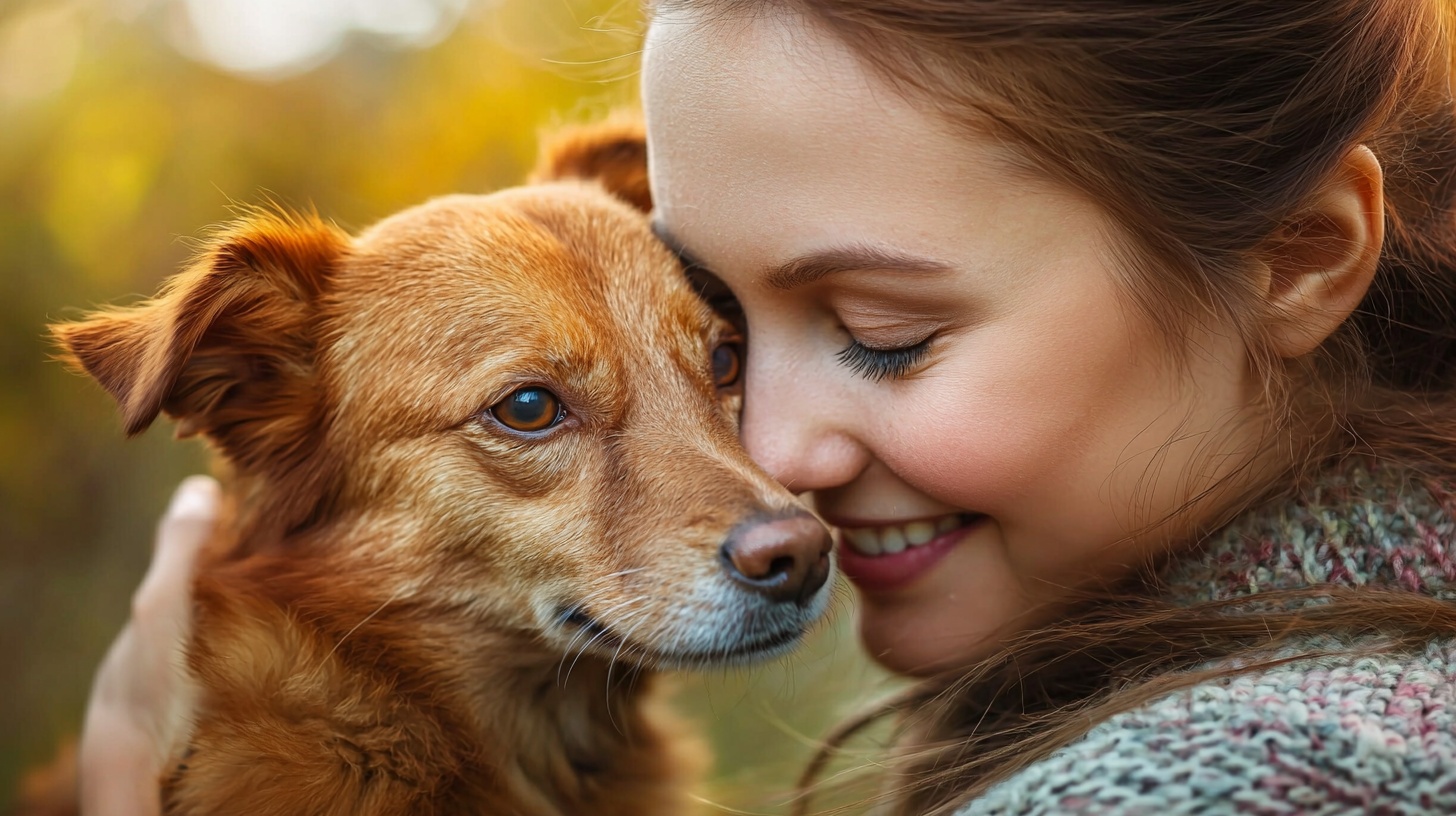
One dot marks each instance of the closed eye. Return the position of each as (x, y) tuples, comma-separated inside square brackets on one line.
[(878, 364)]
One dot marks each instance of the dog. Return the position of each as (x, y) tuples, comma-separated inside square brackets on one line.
[(482, 484)]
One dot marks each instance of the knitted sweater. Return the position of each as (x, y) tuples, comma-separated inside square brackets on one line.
[(1369, 733)]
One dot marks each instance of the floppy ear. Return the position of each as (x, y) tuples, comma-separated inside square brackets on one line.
[(228, 346), (613, 153)]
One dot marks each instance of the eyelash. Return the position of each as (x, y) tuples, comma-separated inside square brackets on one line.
[(878, 364)]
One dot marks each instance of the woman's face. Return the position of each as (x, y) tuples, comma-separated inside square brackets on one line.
[(939, 346)]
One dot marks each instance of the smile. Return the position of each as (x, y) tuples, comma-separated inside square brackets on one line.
[(890, 557), (896, 538)]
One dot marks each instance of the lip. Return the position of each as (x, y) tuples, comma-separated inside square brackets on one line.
[(886, 573)]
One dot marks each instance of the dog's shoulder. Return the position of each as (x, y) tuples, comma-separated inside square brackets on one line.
[(295, 714)]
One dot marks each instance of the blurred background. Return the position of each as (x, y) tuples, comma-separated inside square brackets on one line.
[(129, 126)]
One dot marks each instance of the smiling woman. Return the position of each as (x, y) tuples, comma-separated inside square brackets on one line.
[(947, 285), (1084, 322)]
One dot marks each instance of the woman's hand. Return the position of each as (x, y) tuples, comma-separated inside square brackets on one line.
[(141, 698)]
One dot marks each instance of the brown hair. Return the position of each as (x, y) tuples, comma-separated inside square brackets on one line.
[(1204, 128)]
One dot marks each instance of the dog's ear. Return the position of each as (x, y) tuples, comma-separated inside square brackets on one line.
[(613, 153), (228, 347)]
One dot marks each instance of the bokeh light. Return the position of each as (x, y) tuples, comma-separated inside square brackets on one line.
[(277, 38), (38, 51)]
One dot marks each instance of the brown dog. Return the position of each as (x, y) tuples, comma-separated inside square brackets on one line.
[(482, 479)]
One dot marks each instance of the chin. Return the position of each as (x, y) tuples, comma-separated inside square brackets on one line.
[(917, 645)]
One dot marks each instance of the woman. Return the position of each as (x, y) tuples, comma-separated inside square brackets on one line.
[(1116, 339)]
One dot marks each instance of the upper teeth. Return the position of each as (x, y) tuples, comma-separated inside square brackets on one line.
[(895, 538)]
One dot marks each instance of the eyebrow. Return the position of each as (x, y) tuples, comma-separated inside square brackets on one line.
[(814, 266), (806, 269)]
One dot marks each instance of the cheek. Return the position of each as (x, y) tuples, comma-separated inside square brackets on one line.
[(1017, 413)]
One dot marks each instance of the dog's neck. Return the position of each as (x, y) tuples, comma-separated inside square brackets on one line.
[(579, 734), (580, 737), (494, 715)]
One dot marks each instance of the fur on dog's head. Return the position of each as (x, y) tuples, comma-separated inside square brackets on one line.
[(505, 406)]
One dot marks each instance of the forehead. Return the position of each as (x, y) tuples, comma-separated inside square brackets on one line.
[(793, 140), (442, 305)]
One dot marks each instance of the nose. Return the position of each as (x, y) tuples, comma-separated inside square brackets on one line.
[(803, 444), (783, 559)]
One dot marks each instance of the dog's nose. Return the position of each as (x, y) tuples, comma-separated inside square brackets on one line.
[(784, 559)]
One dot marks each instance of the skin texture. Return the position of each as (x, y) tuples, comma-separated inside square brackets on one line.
[(1045, 403), (408, 605)]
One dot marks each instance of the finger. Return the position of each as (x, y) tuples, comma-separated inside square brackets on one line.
[(162, 600), (193, 509)]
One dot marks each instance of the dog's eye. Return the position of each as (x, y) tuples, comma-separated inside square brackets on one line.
[(727, 364), (528, 409)]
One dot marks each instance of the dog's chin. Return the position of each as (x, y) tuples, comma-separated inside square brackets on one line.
[(605, 642), (700, 645), (744, 653)]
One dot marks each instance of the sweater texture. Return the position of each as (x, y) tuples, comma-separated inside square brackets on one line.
[(1359, 731)]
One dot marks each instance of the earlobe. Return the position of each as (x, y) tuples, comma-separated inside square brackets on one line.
[(1321, 263)]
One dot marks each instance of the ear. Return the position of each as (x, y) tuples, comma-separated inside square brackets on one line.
[(613, 153), (1321, 263), (228, 347)]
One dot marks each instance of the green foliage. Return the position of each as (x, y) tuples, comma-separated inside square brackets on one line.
[(116, 148)]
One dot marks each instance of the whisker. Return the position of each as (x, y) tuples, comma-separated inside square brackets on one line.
[(367, 618), (625, 639), (566, 653), (604, 633)]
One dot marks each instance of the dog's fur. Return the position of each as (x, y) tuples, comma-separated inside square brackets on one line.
[(407, 608)]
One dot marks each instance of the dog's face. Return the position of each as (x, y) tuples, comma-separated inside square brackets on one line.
[(508, 409), (530, 379)]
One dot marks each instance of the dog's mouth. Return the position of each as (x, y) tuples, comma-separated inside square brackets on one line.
[(591, 633)]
